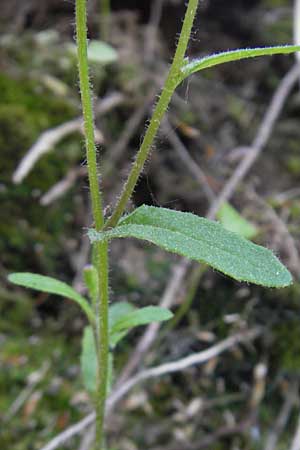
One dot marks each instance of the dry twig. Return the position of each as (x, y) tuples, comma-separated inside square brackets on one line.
[(282, 418), (261, 139), (33, 380), (60, 188), (188, 161), (151, 36), (296, 439), (48, 139), (285, 236)]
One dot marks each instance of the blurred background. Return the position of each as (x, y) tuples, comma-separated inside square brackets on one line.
[(238, 122)]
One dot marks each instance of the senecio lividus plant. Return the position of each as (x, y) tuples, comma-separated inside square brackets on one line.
[(183, 233)]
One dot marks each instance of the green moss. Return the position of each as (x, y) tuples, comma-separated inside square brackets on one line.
[(286, 346), (26, 228)]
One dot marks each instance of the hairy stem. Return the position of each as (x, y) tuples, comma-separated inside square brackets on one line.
[(172, 81), (100, 249)]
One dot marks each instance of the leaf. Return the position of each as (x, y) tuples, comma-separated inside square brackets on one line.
[(88, 362), (206, 62), (123, 316), (90, 277), (102, 53), (142, 316), (119, 310), (116, 312), (116, 337), (52, 286), (233, 221), (204, 241)]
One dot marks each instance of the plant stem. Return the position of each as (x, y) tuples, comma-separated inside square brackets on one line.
[(172, 81), (100, 249), (105, 11)]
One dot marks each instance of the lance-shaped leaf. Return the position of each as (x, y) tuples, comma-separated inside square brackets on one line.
[(123, 317), (52, 286), (206, 62), (88, 362), (141, 316), (116, 312), (204, 241), (90, 277)]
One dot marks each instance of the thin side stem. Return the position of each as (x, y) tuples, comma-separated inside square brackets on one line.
[(100, 249), (172, 81)]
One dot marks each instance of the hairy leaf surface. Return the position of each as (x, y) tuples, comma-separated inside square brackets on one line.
[(206, 62), (203, 240)]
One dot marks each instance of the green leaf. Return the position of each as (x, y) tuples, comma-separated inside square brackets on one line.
[(52, 286), (233, 221), (116, 337), (141, 316), (116, 312), (206, 62), (88, 363), (90, 277), (119, 310), (88, 360), (202, 240), (101, 53), (123, 316)]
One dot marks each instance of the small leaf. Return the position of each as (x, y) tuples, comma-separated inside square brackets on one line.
[(88, 360), (206, 62), (116, 337), (119, 310), (88, 363), (233, 221), (52, 286), (202, 240), (102, 53), (90, 277), (142, 316), (123, 316), (116, 312)]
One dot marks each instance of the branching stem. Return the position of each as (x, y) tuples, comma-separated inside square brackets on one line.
[(172, 81), (101, 248)]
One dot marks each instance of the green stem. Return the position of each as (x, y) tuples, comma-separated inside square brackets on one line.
[(103, 340), (105, 11), (100, 249), (172, 81)]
